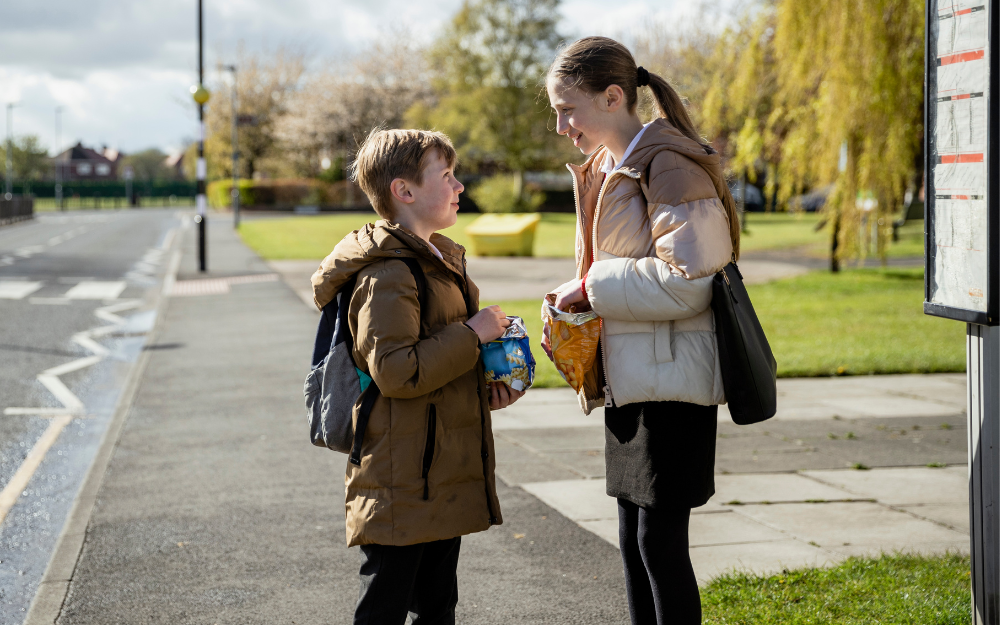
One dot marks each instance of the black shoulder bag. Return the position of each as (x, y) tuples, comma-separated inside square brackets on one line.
[(749, 372)]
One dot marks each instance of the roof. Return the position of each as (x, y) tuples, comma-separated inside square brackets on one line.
[(80, 153)]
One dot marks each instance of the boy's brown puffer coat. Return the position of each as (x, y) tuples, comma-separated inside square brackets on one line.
[(434, 409)]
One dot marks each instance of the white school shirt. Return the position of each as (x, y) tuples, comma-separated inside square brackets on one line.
[(436, 251), (608, 166)]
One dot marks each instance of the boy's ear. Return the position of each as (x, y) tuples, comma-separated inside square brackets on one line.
[(400, 190)]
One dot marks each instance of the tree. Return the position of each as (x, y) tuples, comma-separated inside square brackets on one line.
[(338, 105), (487, 71), (146, 165), (265, 84), (29, 159), (845, 110)]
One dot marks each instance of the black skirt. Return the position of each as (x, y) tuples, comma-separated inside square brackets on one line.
[(661, 454)]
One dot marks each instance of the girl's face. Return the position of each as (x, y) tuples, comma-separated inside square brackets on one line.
[(579, 115)]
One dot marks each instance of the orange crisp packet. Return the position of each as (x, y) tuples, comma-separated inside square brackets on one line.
[(573, 337)]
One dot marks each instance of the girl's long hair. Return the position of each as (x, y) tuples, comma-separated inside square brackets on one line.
[(593, 64)]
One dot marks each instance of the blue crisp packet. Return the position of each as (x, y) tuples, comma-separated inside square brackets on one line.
[(509, 359)]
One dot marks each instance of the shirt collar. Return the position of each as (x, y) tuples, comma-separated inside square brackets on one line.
[(608, 166)]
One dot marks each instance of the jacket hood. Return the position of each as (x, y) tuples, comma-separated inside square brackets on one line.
[(372, 243), (659, 136)]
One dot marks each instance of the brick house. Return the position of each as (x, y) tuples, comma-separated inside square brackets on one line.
[(81, 163)]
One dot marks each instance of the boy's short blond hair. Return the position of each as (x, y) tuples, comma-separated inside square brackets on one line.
[(389, 154)]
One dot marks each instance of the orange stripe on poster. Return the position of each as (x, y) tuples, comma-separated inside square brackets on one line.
[(962, 57)]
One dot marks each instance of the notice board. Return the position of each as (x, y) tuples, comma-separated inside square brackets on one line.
[(961, 192)]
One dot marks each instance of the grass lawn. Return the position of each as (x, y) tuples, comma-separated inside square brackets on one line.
[(315, 236), (888, 590), (853, 323), (771, 231), (856, 322)]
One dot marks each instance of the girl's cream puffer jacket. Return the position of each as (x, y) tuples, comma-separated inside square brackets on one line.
[(650, 237)]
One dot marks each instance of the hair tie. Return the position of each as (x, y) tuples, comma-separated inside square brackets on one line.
[(642, 77)]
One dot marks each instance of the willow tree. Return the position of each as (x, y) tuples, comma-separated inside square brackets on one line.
[(846, 110)]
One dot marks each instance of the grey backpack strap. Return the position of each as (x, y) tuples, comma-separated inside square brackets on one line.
[(372, 393)]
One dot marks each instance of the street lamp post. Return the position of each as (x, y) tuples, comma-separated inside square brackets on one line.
[(201, 95), (9, 190), (59, 202), (235, 192)]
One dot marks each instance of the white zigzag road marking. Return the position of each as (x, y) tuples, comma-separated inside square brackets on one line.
[(50, 377)]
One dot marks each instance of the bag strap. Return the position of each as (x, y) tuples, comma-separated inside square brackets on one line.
[(372, 393)]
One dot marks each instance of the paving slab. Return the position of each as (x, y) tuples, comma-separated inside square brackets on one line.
[(902, 486), (858, 524), (931, 395), (954, 516), (775, 487), (762, 558), (579, 500)]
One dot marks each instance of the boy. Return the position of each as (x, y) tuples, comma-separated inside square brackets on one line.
[(426, 474)]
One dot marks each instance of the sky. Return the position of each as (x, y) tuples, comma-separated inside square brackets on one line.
[(120, 69)]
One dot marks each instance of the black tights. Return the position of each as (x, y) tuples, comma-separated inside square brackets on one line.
[(659, 578)]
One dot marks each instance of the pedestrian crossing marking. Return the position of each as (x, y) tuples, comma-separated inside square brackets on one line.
[(18, 290), (96, 290)]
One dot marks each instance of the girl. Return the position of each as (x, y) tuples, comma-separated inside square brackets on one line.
[(655, 222)]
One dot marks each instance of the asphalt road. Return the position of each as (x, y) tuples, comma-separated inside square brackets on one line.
[(76, 294)]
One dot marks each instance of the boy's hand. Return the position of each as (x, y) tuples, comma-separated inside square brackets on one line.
[(489, 323), (502, 395)]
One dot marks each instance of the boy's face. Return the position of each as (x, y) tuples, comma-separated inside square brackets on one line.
[(433, 204)]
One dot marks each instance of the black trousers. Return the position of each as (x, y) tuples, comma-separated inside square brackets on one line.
[(659, 579), (416, 579)]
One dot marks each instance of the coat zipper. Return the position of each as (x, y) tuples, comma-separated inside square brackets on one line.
[(429, 445), (608, 396)]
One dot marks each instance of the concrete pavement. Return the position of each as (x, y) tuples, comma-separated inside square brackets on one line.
[(821, 481), (513, 278)]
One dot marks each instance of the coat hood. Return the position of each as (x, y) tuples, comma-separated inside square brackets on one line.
[(372, 243), (659, 136)]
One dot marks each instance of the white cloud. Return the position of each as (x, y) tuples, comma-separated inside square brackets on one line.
[(121, 68)]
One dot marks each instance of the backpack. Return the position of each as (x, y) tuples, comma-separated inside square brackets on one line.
[(335, 383)]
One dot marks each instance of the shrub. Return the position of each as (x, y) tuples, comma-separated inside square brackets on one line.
[(496, 195)]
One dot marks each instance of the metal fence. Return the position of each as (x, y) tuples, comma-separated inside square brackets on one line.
[(18, 208)]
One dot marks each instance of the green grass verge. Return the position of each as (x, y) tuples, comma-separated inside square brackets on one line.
[(887, 590), (856, 322), (773, 231), (314, 237)]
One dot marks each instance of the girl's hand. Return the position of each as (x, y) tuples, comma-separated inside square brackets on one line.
[(546, 341), (572, 294), (502, 395)]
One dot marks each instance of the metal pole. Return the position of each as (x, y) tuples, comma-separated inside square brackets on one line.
[(200, 199), (59, 202), (983, 379), (9, 191), (236, 155)]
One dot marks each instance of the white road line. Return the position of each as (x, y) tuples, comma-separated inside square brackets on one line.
[(20, 479), (50, 377), (96, 290), (18, 290)]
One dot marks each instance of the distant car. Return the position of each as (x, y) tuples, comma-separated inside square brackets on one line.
[(812, 201), (754, 199)]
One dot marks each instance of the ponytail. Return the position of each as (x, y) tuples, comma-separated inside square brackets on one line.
[(594, 63), (670, 107)]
